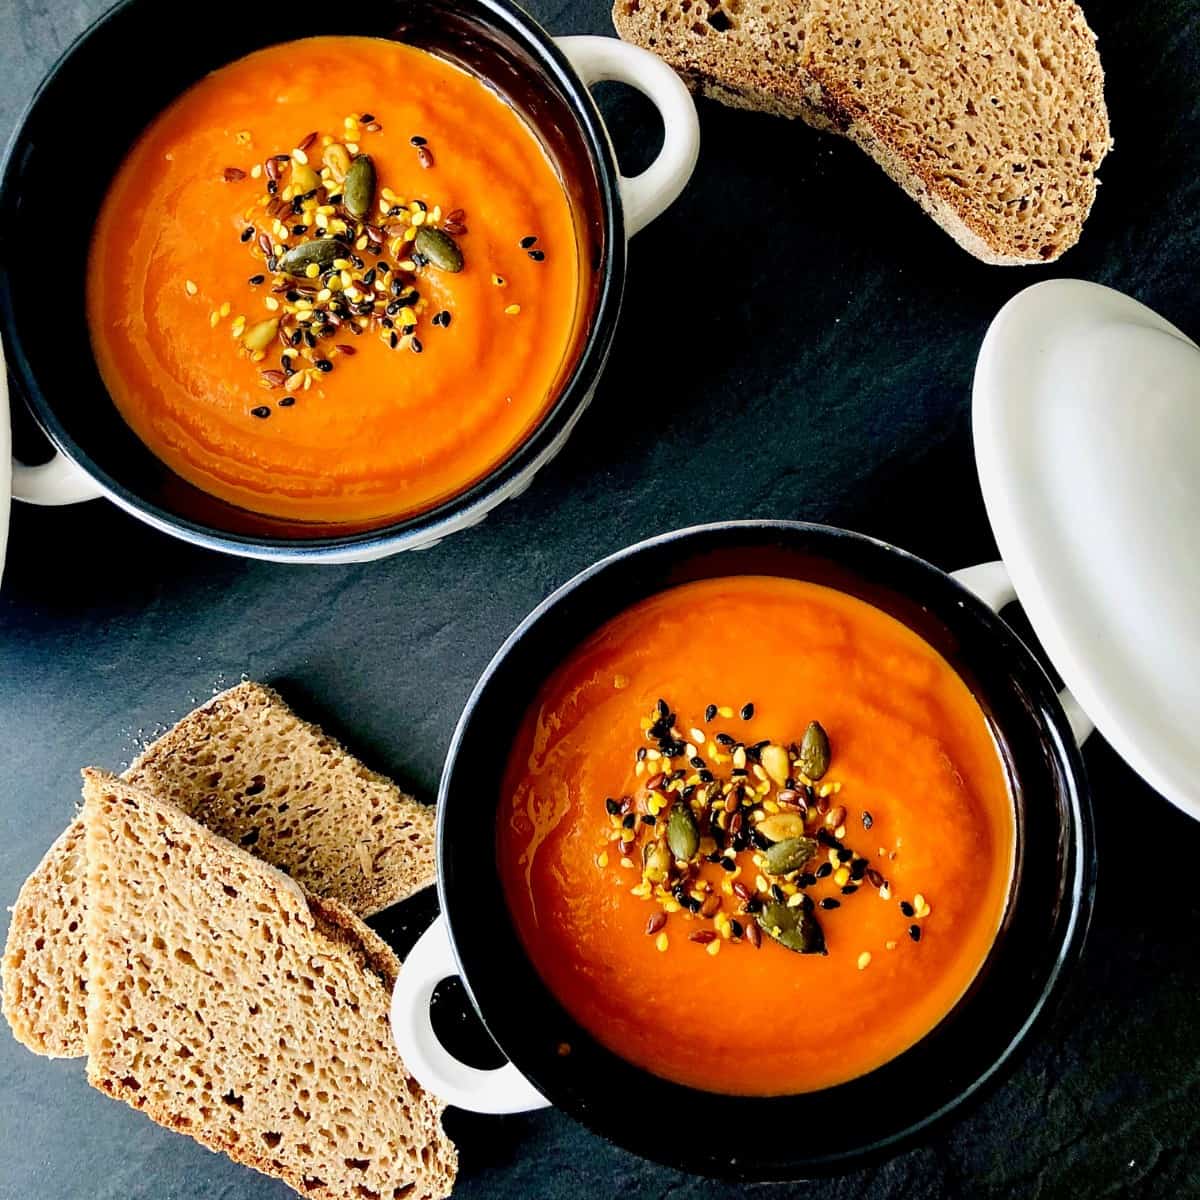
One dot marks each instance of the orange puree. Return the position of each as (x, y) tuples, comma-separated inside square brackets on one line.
[(387, 432), (910, 747)]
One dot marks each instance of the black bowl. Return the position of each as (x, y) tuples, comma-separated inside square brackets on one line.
[(879, 1113), (126, 68)]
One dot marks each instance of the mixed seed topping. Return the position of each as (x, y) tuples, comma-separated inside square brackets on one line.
[(335, 255), (765, 812)]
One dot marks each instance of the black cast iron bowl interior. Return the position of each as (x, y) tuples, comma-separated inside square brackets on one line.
[(838, 1128), (90, 109)]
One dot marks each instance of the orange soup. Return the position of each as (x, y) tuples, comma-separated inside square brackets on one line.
[(756, 836), (335, 281)]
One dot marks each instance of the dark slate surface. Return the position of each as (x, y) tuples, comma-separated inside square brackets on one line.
[(818, 369)]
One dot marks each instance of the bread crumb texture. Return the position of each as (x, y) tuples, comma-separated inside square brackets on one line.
[(990, 113), (226, 1005), (247, 767)]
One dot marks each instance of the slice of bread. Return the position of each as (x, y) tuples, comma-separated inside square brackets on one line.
[(990, 115), (247, 767), (226, 1004)]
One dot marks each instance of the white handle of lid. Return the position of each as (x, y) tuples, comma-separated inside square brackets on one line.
[(500, 1090), (993, 585), (644, 196)]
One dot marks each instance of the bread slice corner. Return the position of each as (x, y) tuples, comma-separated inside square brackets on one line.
[(227, 1004)]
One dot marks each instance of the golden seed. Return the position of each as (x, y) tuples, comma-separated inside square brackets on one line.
[(889, 945), (713, 948), (796, 900), (739, 758), (300, 157), (864, 960), (620, 681), (775, 761), (841, 877), (513, 309), (725, 711), (760, 883), (239, 324), (602, 859), (840, 832), (352, 147), (885, 892), (213, 318), (272, 304), (224, 309), (759, 773), (312, 270), (190, 288), (323, 295), (661, 942)]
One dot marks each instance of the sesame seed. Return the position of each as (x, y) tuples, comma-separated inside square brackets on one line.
[(864, 960), (190, 288), (513, 309), (661, 943)]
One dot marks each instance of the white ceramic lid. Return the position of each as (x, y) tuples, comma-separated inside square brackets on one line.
[(1087, 438)]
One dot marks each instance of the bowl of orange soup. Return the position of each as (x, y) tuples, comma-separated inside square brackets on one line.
[(762, 848), (328, 287)]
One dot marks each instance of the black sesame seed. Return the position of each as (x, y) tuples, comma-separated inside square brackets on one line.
[(407, 329), (867, 820), (386, 322), (747, 712), (805, 879), (310, 340), (416, 140), (725, 739), (641, 754), (393, 339), (739, 773), (299, 230), (255, 280), (287, 401), (779, 894), (824, 870), (629, 820), (538, 255), (713, 858), (858, 868), (806, 904), (335, 199), (907, 909), (272, 263), (689, 791), (323, 364), (649, 819), (261, 411), (367, 118), (292, 295), (736, 928), (752, 906), (382, 268), (662, 708), (849, 889), (272, 186), (356, 262), (445, 315), (728, 864), (830, 902), (914, 932), (247, 233), (296, 338), (845, 854), (710, 712), (368, 279), (696, 762), (706, 777), (613, 806), (526, 242), (692, 904)]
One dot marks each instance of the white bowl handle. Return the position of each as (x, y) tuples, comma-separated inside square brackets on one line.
[(644, 196), (992, 583), (59, 481), (500, 1090)]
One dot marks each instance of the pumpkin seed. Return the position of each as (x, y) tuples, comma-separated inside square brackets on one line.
[(789, 855), (776, 763), (258, 337), (358, 191), (337, 158), (814, 751), (792, 927), (299, 258), (683, 835), (780, 826), (440, 248), (656, 862)]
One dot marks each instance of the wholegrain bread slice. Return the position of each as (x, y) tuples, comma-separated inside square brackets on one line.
[(990, 115), (248, 768), (227, 1004)]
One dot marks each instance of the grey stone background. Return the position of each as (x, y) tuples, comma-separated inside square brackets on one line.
[(797, 342)]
